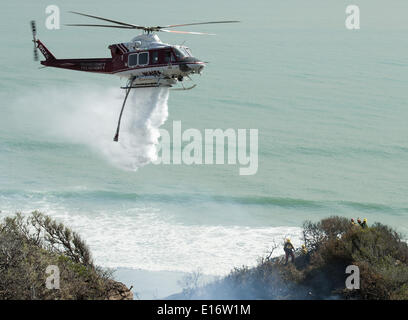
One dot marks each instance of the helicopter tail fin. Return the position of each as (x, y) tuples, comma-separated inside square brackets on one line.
[(49, 57)]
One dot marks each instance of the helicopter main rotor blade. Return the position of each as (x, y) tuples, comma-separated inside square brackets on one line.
[(125, 25), (98, 25), (187, 32), (197, 23), (109, 20)]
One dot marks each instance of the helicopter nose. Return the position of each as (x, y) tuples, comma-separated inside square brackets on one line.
[(197, 66), (191, 65)]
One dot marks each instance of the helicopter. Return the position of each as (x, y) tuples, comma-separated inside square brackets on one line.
[(144, 61)]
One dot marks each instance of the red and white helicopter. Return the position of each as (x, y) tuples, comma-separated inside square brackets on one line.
[(145, 61)]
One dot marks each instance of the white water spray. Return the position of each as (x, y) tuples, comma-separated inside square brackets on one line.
[(145, 112), (90, 117)]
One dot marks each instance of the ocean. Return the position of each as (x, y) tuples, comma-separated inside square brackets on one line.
[(329, 104)]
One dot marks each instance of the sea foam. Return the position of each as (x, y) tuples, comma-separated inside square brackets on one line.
[(145, 238)]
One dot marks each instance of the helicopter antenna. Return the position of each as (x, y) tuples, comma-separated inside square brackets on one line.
[(124, 25), (34, 31)]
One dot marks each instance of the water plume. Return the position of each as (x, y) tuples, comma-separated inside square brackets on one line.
[(89, 116), (146, 111)]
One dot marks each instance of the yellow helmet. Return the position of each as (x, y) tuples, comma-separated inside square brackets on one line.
[(303, 246), (287, 240), (365, 220)]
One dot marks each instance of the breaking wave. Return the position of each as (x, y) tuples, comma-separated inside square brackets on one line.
[(146, 238)]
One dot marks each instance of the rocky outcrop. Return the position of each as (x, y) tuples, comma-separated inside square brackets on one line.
[(118, 291)]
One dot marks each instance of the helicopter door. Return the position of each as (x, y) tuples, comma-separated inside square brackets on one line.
[(132, 60), (138, 59), (169, 57), (143, 59), (155, 57)]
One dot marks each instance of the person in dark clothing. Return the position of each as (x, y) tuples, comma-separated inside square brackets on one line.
[(288, 248), (364, 224)]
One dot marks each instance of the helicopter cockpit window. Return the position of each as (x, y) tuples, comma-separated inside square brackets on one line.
[(132, 60), (182, 52), (179, 53), (188, 51), (143, 58)]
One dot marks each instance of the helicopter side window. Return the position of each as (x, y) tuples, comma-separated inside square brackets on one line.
[(143, 58), (155, 57), (167, 56), (132, 60)]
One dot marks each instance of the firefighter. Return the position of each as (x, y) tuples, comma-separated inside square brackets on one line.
[(364, 224), (289, 248), (305, 255)]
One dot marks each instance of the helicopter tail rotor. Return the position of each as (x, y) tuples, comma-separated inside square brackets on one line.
[(34, 32)]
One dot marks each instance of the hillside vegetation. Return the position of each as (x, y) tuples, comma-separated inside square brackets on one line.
[(28, 245), (333, 244)]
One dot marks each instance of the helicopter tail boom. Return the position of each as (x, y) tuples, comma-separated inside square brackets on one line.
[(99, 65), (49, 57)]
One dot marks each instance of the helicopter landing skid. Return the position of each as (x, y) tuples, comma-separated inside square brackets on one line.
[(184, 88), (145, 86)]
